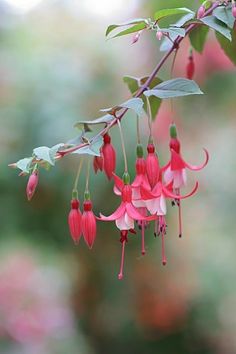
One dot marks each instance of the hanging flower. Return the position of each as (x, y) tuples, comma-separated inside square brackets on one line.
[(152, 165), (32, 184), (89, 227), (98, 163), (74, 221), (109, 156)]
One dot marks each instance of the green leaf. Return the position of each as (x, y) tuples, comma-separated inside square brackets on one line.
[(135, 83), (132, 22), (228, 47), (133, 29), (198, 37), (47, 154), (166, 43), (170, 12), (224, 14), (173, 31), (136, 104), (24, 164), (174, 88), (92, 149), (217, 25), (107, 118)]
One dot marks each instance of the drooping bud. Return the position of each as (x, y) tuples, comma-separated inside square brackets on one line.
[(109, 156), (201, 11), (136, 37), (234, 9), (159, 35), (89, 227), (190, 67), (74, 221), (98, 163), (174, 142), (152, 166), (32, 184)]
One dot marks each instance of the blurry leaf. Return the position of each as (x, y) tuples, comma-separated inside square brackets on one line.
[(135, 83), (133, 29), (136, 104), (47, 154), (166, 42), (170, 12), (224, 14), (228, 47), (217, 25), (131, 22), (174, 88), (107, 118), (92, 149), (84, 127), (198, 37), (173, 31), (24, 164)]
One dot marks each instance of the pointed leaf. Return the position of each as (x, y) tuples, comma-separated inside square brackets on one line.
[(224, 14), (170, 12), (217, 25), (127, 23), (136, 104), (198, 37), (228, 47), (173, 32), (24, 164), (91, 149), (136, 28), (174, 88), (107, 118)]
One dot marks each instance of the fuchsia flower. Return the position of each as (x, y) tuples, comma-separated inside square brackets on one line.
[(175, 170), (201, 11), (152, 165), (125, 216), (32, 184), (98, 163), (74, 221), (89, 227), (109, 156)]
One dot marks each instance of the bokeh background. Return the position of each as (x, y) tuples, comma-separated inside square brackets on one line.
[(56, 68)]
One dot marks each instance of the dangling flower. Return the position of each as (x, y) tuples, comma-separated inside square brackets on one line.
[(74, 221), (109, 156), (89, 227), (32, 184), (98, 163), (175, 170), (190, 67), (152, 166), (126, 214)]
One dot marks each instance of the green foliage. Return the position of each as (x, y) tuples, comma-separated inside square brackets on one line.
[(47, 154), (170, 12), (174, 88), (93, 147), (134, 84), (224, 14), (137, 25), (198, 37), (228, 47), (173, 32), (217, 25), (24, 164)]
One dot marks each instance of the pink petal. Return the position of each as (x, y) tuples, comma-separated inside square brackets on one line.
[(118, 182), (164, 168), (177, 163), (125, 222), (145, 194), (200, 167), (116, 215), (168, 175), (169, 194)]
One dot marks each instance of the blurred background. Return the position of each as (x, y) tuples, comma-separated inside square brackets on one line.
[(56, 68)]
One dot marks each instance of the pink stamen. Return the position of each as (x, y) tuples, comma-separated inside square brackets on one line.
[(143, 238), (120, 275), (163, 232), (180, 213)]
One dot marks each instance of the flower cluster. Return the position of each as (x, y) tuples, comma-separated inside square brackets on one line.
[(142, 201)]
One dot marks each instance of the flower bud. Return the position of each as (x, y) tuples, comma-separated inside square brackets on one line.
[(234, 9), (32, 184), (159, 35), (109, 156), (74, 221), (89, 224), (152, 166), (201, 11), (98, 163), (136, 37), (190, 67)]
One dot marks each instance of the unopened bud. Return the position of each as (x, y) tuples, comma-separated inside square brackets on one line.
[(201, 12), (136, 37), (159, 35), (32, 184)]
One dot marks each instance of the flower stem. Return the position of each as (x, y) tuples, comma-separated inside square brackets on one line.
[(149, 115), (87, 175), (123, 145), (78, 174)]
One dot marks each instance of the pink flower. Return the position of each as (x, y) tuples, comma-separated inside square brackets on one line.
[(109, 156), (32, 184), (234, 9), (201, 11), (190, 67), (89, 224), (74, 221), (136, 37), (152, 166), (159, 35), (124, 217)]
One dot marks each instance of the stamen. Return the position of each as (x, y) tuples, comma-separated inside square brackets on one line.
[(163, 232), (180, 213), (156, 228), (120, 275), (143, 238)]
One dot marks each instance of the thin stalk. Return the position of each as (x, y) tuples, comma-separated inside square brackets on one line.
[(78, 174), (123, 145), (87, 175), (149, 115)]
